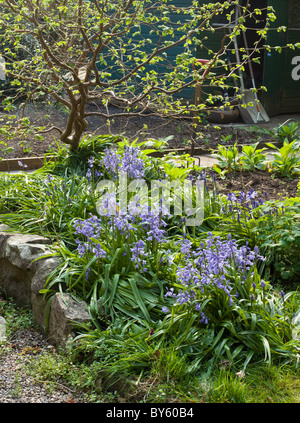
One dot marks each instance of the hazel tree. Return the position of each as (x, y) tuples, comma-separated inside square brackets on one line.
[(114, 51)]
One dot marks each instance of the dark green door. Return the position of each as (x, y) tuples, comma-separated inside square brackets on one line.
[(283, 95)]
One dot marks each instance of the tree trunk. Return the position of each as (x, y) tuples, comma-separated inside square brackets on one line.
[(75, 127)]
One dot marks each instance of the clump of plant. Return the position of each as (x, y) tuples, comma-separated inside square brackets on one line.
[(277, 232), (252, 158), (271, 225), (218, 286), (286, 161), (288, 132), (16, 318), (121, 254), (228, 157)]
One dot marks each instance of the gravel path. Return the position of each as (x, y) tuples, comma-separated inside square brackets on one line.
[(16, 386)]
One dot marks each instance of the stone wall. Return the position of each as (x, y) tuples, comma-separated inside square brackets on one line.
[(23, 273)]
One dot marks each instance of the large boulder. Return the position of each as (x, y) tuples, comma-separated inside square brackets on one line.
[(17, 255)]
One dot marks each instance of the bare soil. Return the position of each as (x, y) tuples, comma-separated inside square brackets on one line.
[(266, 185)]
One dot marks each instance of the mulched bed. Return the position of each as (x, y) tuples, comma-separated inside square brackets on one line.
[(264, 183)]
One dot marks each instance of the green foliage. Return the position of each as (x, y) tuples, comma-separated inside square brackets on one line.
[(17, 318), (228, 157), (64, 188), (228, 388), (288, 132), (252, 158), (278, 235), (286, 162), (272, 384), (52, 217)]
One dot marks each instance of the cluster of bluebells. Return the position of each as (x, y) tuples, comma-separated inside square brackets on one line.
[(124, 224), (129, 162), (248, 199), (203, 175), (148, 224), (91, 229), (111, 161), (139, 256), (243, 203), (209, 178), (208, 267), (136, 229), (153, 225), (91, 162)]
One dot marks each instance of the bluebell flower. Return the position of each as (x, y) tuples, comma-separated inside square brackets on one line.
[(88, 174), (111, 161), (91, 161), (153, 223), (108, 205), (251, 195), (203, 318), (98, 173), (90, 229), (98, 251), (211, 265), (21, 164), (124, 224), (170, 293), (186, 246), (138, 255), (131, 163), (231, 197), (87, 272)]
